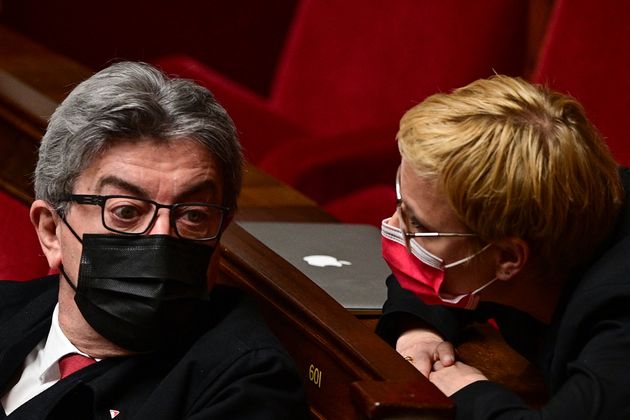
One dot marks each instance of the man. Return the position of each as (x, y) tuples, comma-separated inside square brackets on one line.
[(137, 178), (510, 208)]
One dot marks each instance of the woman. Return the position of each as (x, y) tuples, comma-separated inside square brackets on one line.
[(509, 207)]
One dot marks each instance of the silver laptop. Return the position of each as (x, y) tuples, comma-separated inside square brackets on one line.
[(343, 259)]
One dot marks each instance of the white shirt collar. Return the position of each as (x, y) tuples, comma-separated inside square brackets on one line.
[(57, 345), (41, 369)]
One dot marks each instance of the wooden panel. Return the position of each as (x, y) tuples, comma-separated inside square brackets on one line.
[(50, 74), (340, 359), (33, 81)]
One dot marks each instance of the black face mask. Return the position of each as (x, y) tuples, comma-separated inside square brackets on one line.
[(141, 292)]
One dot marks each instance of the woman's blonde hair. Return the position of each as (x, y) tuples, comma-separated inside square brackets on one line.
[(516, 159)]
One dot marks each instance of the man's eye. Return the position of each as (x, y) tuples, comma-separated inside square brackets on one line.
[(193, 216), (125, 212)]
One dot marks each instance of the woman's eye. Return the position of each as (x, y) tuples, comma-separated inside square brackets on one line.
[(417, 226)]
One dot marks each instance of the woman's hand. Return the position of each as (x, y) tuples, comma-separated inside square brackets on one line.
[(452, 378), (423, 347)]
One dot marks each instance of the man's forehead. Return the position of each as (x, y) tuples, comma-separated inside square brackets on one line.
[(137, 164), (173, 145), (157, 151)]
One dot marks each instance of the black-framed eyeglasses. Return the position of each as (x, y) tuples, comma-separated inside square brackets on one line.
[(404, 225), (134, 216)]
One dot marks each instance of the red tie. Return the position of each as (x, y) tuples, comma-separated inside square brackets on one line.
[(72, 362)]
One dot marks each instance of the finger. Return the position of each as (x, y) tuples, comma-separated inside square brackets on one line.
[(421, 362), (437, 365), (445, 353)]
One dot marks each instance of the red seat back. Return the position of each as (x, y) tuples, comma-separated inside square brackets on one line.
[(586, 53), (21, 257), (351, 64)]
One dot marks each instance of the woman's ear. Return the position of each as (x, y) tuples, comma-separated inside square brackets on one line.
[(512, 257), (46, 220)]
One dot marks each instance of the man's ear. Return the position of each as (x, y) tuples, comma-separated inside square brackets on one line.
[(512, 257), (46, 220)]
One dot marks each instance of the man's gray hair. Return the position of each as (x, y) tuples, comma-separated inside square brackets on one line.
[(130, 101)]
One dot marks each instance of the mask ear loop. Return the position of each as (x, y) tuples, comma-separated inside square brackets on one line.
[(65, 276), (474, 296), (466, 259), (63, 272), (65, 222), (479, 289)]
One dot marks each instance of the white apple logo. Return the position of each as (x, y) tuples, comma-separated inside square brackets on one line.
[(325, 261)]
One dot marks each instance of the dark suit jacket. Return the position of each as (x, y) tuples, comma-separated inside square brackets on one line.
[(228, 367), (584, 354)]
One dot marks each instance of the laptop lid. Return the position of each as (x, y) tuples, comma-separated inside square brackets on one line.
[(343, 259)]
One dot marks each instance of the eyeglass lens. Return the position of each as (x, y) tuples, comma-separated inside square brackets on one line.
[(135, 216)]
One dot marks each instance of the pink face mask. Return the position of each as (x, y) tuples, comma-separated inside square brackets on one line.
[(421, 272)]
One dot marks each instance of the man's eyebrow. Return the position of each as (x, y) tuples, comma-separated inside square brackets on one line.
[(137, 191), (114, 181)]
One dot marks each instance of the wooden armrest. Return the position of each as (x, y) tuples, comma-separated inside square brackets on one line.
[(347, 370), (392, 399)]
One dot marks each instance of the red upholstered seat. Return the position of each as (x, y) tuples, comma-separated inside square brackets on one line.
[(586, 53), (21, 257), (350, 186), (349, 66), (261, 128)]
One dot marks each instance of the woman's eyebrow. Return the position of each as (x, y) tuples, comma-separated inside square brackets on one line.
[(412, 216)]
